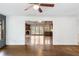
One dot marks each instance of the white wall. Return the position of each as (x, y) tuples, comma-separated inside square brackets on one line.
[(15, 30), (64, 33), (78, 30)]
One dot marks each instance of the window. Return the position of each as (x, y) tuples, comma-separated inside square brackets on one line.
[(37, 34), (41, 30), (37, 29), (33, 29)]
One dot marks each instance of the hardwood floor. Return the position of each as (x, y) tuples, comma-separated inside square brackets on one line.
[(56, 50)]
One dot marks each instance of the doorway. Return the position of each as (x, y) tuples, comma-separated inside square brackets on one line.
[(38, 32)]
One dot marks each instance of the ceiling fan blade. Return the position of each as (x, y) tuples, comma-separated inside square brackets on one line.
[(40, 10), (28, 7), (47, 5)]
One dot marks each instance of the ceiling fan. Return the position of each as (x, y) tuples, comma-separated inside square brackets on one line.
[(37, 6)]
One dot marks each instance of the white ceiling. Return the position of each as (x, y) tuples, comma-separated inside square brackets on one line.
[(60, 9)]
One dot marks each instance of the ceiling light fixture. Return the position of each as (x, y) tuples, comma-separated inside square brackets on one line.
[(39, 21), (36, 7)]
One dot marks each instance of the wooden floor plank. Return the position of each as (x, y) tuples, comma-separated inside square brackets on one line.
[(54, 50)]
